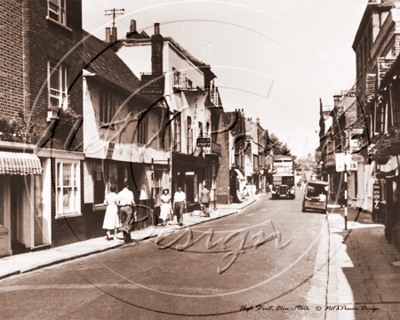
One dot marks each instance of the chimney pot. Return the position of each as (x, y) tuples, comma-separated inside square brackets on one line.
[(156, 28), (336, 100), (114, 34), (133, 26), (108, 35)]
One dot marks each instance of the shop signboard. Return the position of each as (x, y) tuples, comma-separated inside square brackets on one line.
[(203, 142)]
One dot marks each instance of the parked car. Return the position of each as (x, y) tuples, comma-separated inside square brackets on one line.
[(316, 196)]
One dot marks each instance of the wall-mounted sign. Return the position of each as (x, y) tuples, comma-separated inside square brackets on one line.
[(152, 85), (203, 142)]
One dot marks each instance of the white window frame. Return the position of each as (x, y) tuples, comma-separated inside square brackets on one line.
[(56, 11), (60, 92), (75, 186)]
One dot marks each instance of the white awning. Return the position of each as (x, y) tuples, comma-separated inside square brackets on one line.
[(19, 163)]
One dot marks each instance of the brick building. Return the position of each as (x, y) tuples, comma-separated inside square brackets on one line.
[(41, 114)]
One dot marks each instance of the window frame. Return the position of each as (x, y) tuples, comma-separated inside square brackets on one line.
[(177, 134), (107, 105), (61, 92), (75, 186), (142, 131), (60, 13)]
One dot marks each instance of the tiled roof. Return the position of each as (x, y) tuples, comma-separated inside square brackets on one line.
[(105, 63)]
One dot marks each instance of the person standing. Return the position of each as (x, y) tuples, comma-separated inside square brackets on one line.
[(179, 205), (111, 219), (127, 211), (165, 209), (205, 200)]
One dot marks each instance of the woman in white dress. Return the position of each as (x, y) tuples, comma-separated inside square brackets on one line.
[(165, 206), (111, 219)]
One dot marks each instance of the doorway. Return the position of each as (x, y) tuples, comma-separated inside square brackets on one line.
[(18, 186)]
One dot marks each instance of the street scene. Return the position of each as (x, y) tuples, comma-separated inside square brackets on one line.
[(199, 159)]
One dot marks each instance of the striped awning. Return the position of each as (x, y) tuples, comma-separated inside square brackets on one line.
[(19, 163)]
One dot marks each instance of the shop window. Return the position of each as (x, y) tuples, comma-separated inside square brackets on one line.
[(207, 129), (56, 11), (105, 175), (142, 131), (57, 86), (107, 107), (189, 136), (68, 188), (177, 134)]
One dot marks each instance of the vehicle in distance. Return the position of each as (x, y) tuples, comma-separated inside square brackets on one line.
[(316, 196), (283, 178)]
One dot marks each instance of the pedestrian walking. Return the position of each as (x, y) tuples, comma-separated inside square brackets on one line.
[(165, 209), (111, 219), (342, 200), (179, 205), (205, 200), (127, 211)]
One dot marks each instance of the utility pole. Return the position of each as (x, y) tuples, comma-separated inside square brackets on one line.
[(114, 12)]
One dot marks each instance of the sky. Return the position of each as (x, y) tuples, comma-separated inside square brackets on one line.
[(275, 59)]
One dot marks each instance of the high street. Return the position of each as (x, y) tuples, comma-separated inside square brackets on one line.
[(145, 281)]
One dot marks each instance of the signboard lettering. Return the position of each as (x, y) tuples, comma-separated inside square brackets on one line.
[(203, 142)]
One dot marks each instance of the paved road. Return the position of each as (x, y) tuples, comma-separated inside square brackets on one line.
[(145, 281)]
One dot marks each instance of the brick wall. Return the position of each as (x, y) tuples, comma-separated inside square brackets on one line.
[(46, 40), (11, 55)]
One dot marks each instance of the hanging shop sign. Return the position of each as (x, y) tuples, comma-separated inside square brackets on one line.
[(203, 142), (152, 85)]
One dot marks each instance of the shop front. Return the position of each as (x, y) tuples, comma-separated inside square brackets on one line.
[(191, 173), (25, 216)]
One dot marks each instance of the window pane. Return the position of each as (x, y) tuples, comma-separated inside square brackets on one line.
[(67, 174), (54, 77), (53, 7), (67, 200), (76, 201), (58, 174)]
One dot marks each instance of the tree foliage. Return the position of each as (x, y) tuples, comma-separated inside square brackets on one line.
[(278, 146)]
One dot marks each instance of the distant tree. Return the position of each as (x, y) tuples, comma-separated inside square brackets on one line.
[(278, 146)]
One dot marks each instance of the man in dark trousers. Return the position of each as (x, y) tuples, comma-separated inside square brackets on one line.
[(205, 200), (179, 205), (126, 204)]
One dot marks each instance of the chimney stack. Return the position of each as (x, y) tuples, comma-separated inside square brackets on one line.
[(257, 120), (157, 46)]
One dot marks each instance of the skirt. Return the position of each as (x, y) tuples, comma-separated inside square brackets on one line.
[(165, 210), (111, 219)]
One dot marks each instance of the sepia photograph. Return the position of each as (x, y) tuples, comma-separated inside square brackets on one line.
[(200, 159)]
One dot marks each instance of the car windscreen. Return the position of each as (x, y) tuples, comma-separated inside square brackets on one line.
[(314, 190)]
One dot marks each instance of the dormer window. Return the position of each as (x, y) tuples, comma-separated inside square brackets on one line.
[(56, 11)]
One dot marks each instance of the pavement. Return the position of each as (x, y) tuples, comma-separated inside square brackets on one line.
[(363, 269), (356, 274), (26, 262)]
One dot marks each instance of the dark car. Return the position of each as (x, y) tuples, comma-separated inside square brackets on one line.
[(316, 196)]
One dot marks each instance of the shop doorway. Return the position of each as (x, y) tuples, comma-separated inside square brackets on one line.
[(18, 186)]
